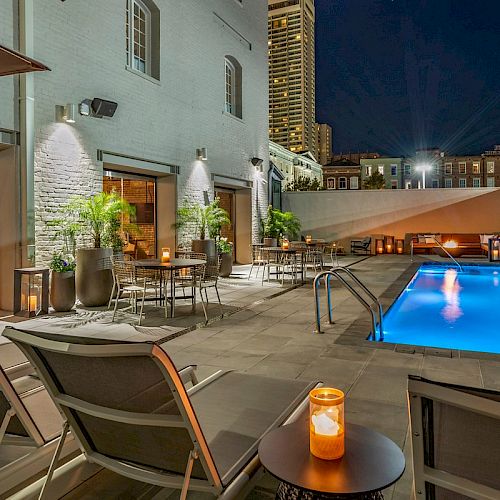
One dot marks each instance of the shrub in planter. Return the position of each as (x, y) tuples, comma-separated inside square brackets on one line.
[(277, 224), (62, 282), (225, 251)]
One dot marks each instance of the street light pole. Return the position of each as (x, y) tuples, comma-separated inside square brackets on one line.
[(423, 178)]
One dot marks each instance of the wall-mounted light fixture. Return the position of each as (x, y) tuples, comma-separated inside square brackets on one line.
[(66, 113), (201, 154), (257, 163)]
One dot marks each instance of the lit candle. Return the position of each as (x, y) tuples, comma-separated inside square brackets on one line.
[(308, 238), (326, 425), (285, 244), (165, 254), (33, 303), (495, 254)]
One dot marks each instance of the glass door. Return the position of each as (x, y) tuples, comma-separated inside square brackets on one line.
[(139, 231)]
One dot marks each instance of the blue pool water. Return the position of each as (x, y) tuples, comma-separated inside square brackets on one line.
[(443, 307)]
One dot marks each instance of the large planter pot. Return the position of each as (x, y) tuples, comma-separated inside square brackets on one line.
[(62, 291), (226, 264), (94, 280), (270, 242), (205, 246)]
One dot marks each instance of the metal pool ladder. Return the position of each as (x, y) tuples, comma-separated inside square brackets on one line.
[(357, 288), (442, 247)]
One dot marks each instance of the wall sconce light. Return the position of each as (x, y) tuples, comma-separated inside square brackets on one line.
[(257, 163), (201, 154)]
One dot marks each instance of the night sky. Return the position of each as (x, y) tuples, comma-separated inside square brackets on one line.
[(393, 76)]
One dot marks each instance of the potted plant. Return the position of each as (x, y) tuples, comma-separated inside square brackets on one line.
[(225, 251), (277, 224), (62, 282), (99, 217), (203, 221)]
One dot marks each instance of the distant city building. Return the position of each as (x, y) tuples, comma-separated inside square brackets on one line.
[(396, 171), (355, 157), (342, 174), (471, 171), (294, 165), (324, 143), (292, 74)]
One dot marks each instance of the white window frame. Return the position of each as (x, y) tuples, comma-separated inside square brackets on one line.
[(407, 170), (408, 185), (476, 182), (130, 53), (330, 183), (490, 182), (381, 169), (462, 181), (368, 170), (474, 165), (229, 105), (490, 167), (448, 168), (353, 182), (448, 183), (344, 179), (462, 164)]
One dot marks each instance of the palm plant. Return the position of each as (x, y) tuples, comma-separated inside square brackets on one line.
[(100, 215), (278, 223)]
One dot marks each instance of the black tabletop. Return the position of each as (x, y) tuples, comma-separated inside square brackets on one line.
[(371, 462), (174, 263)]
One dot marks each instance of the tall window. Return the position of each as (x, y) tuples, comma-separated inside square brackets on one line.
[(490, 167), (230, 94), (462, 167), (232, 87), (490, 182), (462, 183), (447, 168), (476, 168), (448, 183), (354, 182), (407, 170), (138, 35), (476, 182), (368, 170), (330, 183), (381, 169), (342, 182), (394, 170)]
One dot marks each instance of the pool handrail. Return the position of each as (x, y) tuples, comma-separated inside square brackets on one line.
[(442, 248), (336, 272)]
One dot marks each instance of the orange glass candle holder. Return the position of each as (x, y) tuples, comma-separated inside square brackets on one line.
[(308, 238), (326, 423), (285, 244), (165, 254)]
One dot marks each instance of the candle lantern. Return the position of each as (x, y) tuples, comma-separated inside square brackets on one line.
[(165, 254), (308, 238), (285, 244), (400, 246), (389, 244), (494, 249), (31, 291), (379, 245), (326, 423)]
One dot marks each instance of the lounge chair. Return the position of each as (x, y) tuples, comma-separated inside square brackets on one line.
[(361, 245), (456, 440), (129, 409)]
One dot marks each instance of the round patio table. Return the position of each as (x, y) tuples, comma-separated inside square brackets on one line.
[(172, 266), (372, 462), (287, 251)]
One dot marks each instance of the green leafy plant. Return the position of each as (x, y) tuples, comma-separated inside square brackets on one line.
[(67, 229), (100, 216), (224, 246), (61, 263), (203, 220), (304, 183), (278, 223), (374, 181)]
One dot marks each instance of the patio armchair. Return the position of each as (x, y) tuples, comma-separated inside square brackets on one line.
[(145, 425), (209, 278), (187, 277), (455, 440), (363, 245), (258, 259)]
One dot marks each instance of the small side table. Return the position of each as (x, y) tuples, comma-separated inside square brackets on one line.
[(372, 462)]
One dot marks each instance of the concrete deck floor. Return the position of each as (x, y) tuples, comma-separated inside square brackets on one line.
[(276, 337)]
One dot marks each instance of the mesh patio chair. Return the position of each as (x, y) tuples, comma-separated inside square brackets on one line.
[(187, 278), (209, 278), (456, 440), (128, 283), (258, 259), (282, 263), (149, 427)]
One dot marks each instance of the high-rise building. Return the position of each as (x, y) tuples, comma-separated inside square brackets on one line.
[(292, 74), (324, 150)]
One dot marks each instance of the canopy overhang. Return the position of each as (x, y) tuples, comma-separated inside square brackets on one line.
[(13, 62)]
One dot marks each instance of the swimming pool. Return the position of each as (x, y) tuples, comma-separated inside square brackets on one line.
[(444, 307)]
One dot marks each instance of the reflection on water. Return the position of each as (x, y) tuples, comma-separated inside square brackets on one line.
[(451, 291)]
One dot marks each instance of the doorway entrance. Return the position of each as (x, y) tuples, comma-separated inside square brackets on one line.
[(227, 202), (138, 231)]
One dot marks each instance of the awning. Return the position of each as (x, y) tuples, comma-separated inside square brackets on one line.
[(12, 62)]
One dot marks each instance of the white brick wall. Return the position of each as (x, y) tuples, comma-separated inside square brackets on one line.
[(83, 43)]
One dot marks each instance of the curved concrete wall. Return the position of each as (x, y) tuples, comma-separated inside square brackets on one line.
[(344, 214)]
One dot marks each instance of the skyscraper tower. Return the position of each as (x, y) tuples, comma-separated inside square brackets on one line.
[(292, 74)]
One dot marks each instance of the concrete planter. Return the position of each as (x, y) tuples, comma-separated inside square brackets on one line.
[(94, 280), (205, 246), (270, 242), (62, 291), (226, 265)]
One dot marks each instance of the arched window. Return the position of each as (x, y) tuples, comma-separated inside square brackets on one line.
[(142, 31), (233, 87)]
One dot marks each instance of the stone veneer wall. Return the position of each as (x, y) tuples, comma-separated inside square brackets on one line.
[(83, 43)]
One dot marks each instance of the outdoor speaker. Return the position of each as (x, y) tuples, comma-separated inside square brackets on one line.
[(101, 107)]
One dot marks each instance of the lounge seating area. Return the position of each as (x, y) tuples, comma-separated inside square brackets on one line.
[(459, 244)]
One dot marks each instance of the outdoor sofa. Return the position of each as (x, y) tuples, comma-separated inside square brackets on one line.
[(132, 414)]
